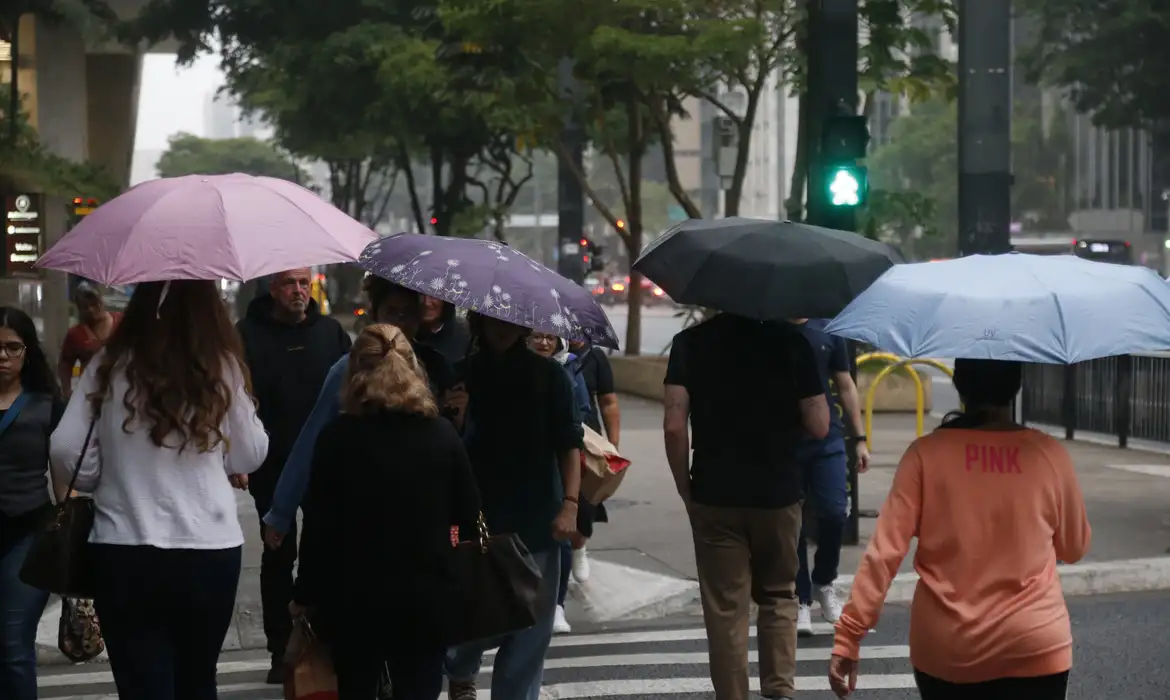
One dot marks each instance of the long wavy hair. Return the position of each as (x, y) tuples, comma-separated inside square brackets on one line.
[(384, 374), (181, 354), (36, 375)]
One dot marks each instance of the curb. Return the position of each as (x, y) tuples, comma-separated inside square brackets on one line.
[(1094, 578)]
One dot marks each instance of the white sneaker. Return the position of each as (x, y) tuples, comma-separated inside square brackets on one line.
[(804, 621), (560, 624), (580, 565), (830, 606)]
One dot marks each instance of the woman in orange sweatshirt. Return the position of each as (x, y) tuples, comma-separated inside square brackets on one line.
[(994, 505)]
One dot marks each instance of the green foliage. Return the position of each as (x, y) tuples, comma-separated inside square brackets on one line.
[(26, 164), (1110, 56), (900, 55), (192, 155)]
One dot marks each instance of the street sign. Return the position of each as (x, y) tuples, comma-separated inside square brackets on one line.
[(24, 234)]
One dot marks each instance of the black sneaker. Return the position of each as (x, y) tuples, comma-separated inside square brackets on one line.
[(276, 672)]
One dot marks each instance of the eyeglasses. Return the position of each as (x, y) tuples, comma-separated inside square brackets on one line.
[(12, 349)]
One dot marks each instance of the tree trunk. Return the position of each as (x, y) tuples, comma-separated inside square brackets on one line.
[(633, 239), (742, 154)]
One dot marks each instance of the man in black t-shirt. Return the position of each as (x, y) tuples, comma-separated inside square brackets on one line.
[(750, 391)]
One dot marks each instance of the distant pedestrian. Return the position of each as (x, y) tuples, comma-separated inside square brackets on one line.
[(554, 347), (30, 408), (750, 391), (525, 447), (289, 347), (441, 328), (388, 303), (390, 446), (994, 505), (826, 474), (605, 418), (173, 416), (95, 326)]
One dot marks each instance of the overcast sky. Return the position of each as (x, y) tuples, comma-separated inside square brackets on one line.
[(171, 99)]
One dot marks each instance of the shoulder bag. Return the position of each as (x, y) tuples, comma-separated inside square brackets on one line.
[(57, 561)]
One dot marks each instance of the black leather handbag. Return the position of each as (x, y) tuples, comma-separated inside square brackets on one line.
[(58, 561), (498, 588)]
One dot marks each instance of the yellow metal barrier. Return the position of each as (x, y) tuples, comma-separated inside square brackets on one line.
[(899, 363)]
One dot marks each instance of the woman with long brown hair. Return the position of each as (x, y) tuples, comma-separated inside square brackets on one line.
[(168, 404), (389, 479)]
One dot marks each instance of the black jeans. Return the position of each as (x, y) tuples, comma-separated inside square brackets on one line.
[(417, 675), (276, 575), (1054, 687), (164, 615)]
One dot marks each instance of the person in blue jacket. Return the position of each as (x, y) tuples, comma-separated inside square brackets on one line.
[(388, 303), (552, 346)]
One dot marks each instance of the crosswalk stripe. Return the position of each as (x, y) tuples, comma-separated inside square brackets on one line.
[(700, 657), (95, 677), (681, 634), (683, 686)]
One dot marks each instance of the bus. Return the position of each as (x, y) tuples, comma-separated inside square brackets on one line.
[(1099, 249)]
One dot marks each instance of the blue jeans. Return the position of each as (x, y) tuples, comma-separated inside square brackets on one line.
[(519, 665), (21, 607), (566, 550), (826, 490)]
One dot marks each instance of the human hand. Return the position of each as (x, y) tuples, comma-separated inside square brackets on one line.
[(862, 457), (239, 481), (297, 611), (565, 524), (842, 676), (273, 538), (455, 403)]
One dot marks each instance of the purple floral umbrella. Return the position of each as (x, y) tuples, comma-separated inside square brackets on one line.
[(491, 279)]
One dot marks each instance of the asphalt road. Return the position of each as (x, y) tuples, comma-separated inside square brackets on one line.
[(1120, 653)]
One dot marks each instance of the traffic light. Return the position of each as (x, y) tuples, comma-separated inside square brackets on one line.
[(591, 256), (434, 221), (844, 140), (83, 206), (847, 185)]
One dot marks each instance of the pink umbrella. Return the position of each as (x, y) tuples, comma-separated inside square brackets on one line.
[(207, 227)]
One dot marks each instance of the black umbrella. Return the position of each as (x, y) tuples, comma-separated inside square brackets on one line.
[(766, 270)]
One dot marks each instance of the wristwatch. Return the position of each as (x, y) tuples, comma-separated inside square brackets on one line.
[(859, 438)]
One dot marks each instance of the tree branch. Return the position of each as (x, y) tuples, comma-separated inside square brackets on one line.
[(601, 207), (673, 180)]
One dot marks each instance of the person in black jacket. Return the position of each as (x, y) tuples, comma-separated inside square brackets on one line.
[(443, 330), (390, 478), (289, 347)]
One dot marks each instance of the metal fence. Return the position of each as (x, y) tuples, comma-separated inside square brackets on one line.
[(1126, 396)]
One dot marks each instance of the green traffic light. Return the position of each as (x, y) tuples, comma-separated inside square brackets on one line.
[(845, 188)]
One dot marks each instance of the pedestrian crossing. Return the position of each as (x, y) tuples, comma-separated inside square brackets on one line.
[(641, 663)]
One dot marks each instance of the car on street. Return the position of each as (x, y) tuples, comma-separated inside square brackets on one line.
[(617, 292)]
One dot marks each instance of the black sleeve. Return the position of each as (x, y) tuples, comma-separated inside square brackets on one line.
[(804, 375), (56, 412), (322, 519), (465, 500), (344, 341), (604, 373), (676, 366), (439, 370), (565, 417)]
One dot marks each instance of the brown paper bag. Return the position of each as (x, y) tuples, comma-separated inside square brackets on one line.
[(308, 664), (602, 468)]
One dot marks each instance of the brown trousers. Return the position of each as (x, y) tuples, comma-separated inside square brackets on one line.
[(745, 555)]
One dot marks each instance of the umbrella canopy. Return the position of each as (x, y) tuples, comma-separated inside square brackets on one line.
[(491, 279), (207, 227), (766, 270), (1028, 308)]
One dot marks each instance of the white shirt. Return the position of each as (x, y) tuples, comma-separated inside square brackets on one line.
[(156, 496)]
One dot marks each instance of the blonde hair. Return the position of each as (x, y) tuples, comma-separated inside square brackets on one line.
[(385, 374)]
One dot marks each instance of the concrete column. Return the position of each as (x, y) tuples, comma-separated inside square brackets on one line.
[(112, 101), (63, 124)]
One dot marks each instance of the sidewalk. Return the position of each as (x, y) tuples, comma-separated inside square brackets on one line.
[(1127, 494)]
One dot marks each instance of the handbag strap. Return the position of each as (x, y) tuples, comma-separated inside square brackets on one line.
[(80, 459), (13, 412)]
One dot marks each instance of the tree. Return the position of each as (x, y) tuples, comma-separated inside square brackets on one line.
[(1109, 56), (630, 58), (192, 155)]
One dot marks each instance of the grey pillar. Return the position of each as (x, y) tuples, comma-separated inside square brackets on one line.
[(570, 197), (985, 122)]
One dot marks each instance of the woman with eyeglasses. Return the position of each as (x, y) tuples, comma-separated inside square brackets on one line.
[(30, 408)]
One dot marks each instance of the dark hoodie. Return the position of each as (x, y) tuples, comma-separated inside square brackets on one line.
[(452, 339), (288, 365)]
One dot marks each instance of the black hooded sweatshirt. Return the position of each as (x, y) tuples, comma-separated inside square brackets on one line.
[(452, 339), (288, 365)]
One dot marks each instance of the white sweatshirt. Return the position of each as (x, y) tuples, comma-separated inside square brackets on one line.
[(149, 495)]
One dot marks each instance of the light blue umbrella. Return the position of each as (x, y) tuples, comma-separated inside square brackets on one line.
[(1029, 308)]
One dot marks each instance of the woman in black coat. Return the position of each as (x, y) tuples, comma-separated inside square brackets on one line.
[(390, 479)]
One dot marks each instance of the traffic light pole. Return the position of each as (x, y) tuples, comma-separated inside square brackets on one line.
[(985, 124), (570, 196), (832, 91)]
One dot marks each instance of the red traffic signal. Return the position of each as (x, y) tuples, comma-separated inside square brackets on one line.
[(584, 242), (434, 221)]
